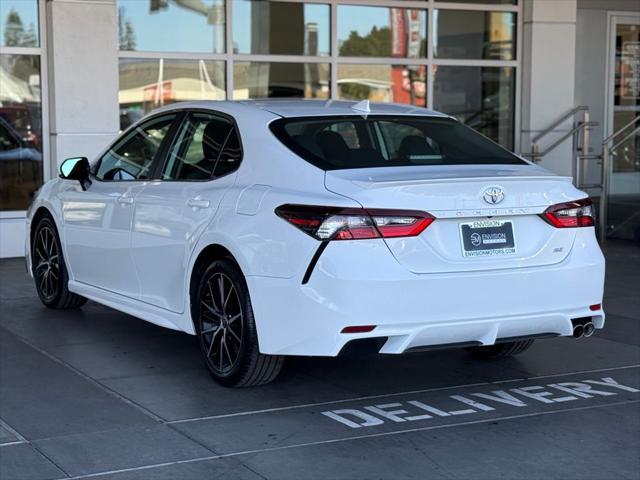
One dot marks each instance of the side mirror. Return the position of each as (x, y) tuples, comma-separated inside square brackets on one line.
[(76, 168)]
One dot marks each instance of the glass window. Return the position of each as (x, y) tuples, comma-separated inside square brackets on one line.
[(146, 84), (132, 157), (279, 79), (231, 155), (388, 141), (481, 97), (19, 23), (491, 2), (280, 28), (20, 130), (197, 148), (474, 34), (172, 26), (381, 32), (383, 83)]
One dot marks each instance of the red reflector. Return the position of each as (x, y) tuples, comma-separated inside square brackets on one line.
[(358, 329), (595, 308)]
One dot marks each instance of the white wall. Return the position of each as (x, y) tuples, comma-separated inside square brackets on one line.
[(548, 64), (82, 48)]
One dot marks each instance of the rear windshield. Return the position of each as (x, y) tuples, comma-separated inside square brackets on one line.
[(333, 143)]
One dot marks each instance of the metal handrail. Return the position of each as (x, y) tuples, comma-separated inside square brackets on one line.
[(606, 156), (564, 118), (580, 127), (620, 130), (575, 129)]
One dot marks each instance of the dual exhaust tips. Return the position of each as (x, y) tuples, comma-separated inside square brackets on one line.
[(583, 330)]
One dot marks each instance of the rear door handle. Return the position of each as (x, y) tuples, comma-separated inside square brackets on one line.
[(198, 203), (125, 200)]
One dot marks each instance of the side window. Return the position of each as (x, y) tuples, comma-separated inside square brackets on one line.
[(231, 155), (197, 148), (132, 157)]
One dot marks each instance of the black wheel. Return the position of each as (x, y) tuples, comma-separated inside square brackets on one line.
[(226, 329), (498, 350), (49, 270)]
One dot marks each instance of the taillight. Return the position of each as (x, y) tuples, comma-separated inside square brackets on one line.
[(570, 214), (335, 223)]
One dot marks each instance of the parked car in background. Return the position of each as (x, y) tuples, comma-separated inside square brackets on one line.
[(20, 168)]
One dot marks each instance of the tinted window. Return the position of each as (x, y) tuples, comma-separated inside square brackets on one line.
[(231, 155), (7, 141), (355, 142), (132, 157), (197, 148)]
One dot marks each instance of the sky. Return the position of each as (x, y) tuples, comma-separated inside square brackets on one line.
[(27, 9), (178, 29)]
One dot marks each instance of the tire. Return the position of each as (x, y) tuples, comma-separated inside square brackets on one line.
[(226, 329), (500, 350), (49, 269)]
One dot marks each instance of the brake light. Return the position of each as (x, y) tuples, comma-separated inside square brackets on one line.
[(570, 214), (335, 223)]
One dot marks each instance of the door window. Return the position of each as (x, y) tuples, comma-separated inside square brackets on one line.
[(231, 155), (197, 148), (132, 157), (206, 147)]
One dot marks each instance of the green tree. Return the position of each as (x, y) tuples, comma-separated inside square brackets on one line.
[(126, 32), (377, 43), (13, 30), (30, 37)]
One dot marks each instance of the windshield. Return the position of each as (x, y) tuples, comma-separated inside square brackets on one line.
[(333, 143)]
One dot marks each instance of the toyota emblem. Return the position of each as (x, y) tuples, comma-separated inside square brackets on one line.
[(493, 195)]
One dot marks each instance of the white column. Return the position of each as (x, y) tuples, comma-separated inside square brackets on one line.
[(82, 53), (548, 71)]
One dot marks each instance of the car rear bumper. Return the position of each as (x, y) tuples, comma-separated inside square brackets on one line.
[(361, 283)]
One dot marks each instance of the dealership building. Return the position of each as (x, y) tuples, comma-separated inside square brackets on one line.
[(557, 81)]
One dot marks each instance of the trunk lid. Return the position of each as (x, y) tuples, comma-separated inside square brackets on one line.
[(455, 194)]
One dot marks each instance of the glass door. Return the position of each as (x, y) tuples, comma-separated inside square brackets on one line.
[(623, 213)]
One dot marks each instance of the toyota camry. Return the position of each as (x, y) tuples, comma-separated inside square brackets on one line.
[(290, 227)]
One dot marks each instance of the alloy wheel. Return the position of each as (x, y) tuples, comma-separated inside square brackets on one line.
[(47, 264), (221, 322)]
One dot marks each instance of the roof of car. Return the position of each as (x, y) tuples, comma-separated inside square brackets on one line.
[(301, 108), (308, 108)]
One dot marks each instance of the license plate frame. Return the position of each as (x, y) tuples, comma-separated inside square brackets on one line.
[(487, 238)]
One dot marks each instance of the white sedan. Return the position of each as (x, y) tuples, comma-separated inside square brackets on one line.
[(290, 227)]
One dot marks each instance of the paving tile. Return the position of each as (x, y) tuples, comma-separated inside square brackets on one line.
[(621, 329), (41, 398), (346, 419), (223, 469), (568, 446), (23, 462), (92, 323), (194, 393), (7, 436), (133, 355), (117, 449)]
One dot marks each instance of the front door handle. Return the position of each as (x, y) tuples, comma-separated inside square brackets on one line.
[(125, 200), (198, 203)]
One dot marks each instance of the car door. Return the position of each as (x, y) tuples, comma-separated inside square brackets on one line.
[(97, 222), (173, 210)]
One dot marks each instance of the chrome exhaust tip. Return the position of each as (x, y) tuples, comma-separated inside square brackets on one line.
[(578, 331), (589, 329)]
